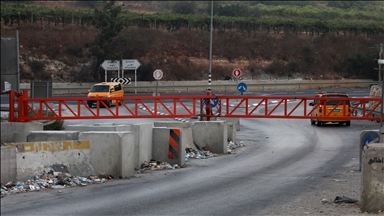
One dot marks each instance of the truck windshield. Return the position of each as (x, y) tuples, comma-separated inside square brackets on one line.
[(100, 89), (335, 102)]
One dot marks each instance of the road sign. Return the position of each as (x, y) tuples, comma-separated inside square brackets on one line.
[(124, 81), (213, 101), (236, 72), (366, 138), (7, 86), (370, 137), (381, 61), (242, 87), (111, 65), (158, 74), (130, 64)]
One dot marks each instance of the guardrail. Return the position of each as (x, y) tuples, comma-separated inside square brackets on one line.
[(217, 86)]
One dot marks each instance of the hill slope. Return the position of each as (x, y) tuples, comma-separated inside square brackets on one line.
[(60, 53)]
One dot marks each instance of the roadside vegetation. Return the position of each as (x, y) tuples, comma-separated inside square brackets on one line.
[(315, 39)]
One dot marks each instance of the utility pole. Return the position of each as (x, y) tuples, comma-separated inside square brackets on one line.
[(210, 51), (208, 108), (380, 73), (381, 87)]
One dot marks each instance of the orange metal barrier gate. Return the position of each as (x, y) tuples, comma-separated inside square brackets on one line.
[(24, 109)]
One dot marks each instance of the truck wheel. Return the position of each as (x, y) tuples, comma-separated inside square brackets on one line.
[(312, 121), (318, 123), (90, 105), (348, 123)]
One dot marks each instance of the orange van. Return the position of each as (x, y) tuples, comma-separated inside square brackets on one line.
[(331, 108), (107, 90)]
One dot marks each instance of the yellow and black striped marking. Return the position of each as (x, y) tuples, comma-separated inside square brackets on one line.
[(174, 142)]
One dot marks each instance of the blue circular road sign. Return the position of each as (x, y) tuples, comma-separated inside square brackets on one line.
[(370, 137), (213, 103), (242, 87)]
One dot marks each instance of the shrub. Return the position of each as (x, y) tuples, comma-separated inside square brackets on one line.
[(84, 75), (36, 65), (51, 125), (56, 125), (74, 51)]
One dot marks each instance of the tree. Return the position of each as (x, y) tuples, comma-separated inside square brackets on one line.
[(346, 4), (233, 10), (183, 7), (110, 24)]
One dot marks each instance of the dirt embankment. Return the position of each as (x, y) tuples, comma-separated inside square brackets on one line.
[(62, 53)]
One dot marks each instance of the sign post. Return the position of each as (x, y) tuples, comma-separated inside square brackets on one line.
[(157, 74), (236, 73), (130, 64), (110, 65)]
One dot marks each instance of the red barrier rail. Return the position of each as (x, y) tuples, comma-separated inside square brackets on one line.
[(210, 106)]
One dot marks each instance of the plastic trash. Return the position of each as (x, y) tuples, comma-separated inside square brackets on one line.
[(9, 184), (32, 187), (57, 186), (198, 155), (344, 199), (76, 181)]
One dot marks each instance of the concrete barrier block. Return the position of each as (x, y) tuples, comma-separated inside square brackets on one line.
[(172, 124), (372, 184), (368, 137), (168, 145), (9, 128), (20, 137), (97, 127), (38, 136), (33, 157), (235, 121), (111, 153), (142, 142), (231, 131), (8, 164), (211, 134), (187, 131)]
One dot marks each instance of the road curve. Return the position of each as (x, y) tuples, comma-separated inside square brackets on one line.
[(282, 159)]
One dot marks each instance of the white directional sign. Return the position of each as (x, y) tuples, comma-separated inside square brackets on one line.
[(381, 61), (158, 74), (111, 65), (124, 81), (130, 64)]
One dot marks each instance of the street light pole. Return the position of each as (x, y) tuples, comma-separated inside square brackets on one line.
[(382, 92), (210, 51), (208, 108)]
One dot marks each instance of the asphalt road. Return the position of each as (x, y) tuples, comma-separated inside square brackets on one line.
[(282, 159)]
